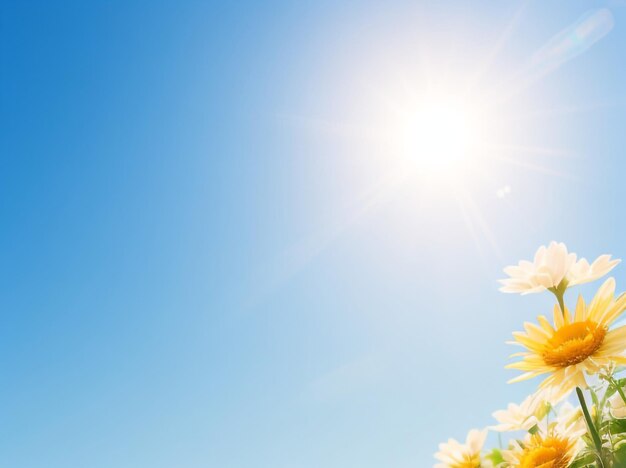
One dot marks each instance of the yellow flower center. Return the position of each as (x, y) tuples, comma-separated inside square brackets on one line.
[(551, 452), (470, 461), (573, 343)]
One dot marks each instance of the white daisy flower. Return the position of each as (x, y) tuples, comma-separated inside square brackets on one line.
[(453, 454), (554, 267), (617, 406), (569, 420), (520, 417)]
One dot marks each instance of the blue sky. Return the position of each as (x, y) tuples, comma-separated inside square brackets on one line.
[(206, 259)]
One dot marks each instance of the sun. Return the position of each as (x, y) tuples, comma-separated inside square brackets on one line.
[(441, 137)]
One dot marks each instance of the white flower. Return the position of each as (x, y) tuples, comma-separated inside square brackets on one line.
[(550, 267), (617, 406), (519, 417), (454, 454), (581, 272), (569, 420)]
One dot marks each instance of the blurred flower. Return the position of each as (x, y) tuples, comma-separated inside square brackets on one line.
[(574, 346), (569, 420), (554, 266), (454, 454), (617, 406), (520, 417)]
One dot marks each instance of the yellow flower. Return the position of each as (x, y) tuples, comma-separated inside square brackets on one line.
[(554, 446), (574, 346), (454, 454), (539, 451), (551, 266)]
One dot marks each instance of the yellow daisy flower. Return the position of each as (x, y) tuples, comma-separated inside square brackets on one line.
[(538, 451), (554, 446), (574, 346)]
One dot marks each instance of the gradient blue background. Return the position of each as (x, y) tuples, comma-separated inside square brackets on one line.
[(191, 271)]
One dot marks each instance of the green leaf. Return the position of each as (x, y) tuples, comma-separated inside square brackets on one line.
[(619, 454), (495, 456), (584, 460), (612, 388), (597, 417), (617, 426)]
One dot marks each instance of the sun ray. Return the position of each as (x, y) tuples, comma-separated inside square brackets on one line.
[(497, 48), (534, 167), (467, 220), (341, 129), (295, 257), (486, 231), (538, 150), (615, 103)]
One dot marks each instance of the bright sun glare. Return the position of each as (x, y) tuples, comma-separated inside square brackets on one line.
[(441, 137), (449, 125)]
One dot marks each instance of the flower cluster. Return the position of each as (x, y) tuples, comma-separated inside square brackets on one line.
[(579, 351)]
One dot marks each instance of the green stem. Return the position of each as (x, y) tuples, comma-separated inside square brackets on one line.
[(559, 297), (559, 291), (594, 433)]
